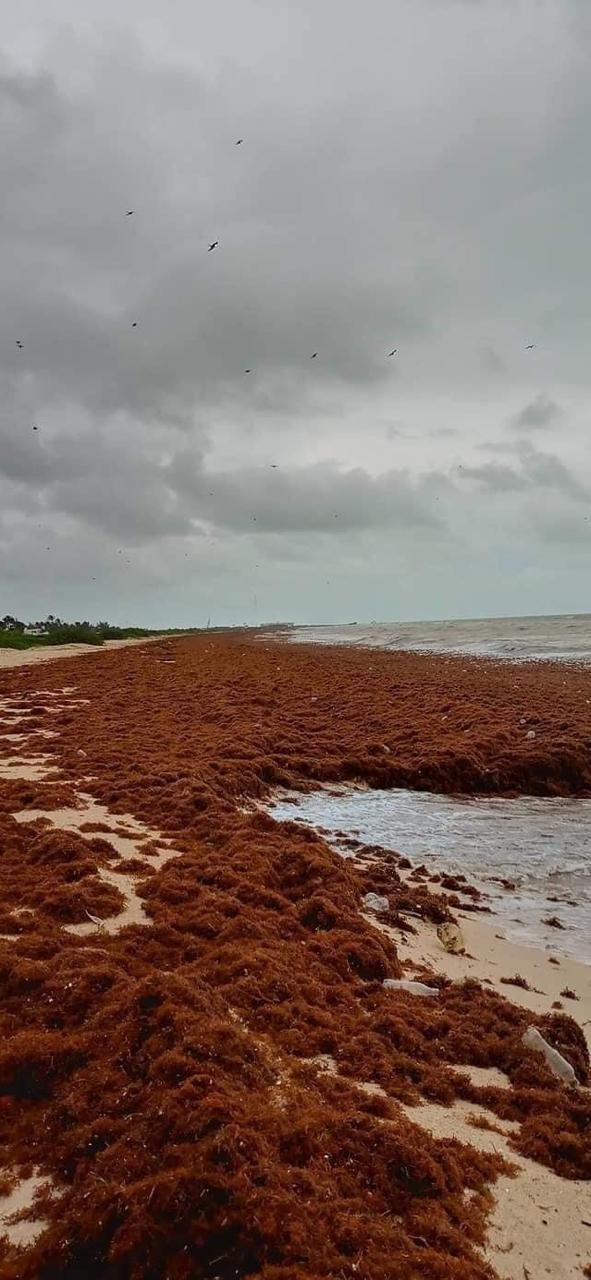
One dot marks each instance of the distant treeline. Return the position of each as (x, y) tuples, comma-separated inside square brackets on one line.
[(15, 634)]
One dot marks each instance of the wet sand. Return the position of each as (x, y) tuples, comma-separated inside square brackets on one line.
[(198, 1056)]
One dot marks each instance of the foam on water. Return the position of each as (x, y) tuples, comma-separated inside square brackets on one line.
[(566, 638), (542, 845)]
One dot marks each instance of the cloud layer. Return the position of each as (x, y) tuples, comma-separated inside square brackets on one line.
[(387, 195)]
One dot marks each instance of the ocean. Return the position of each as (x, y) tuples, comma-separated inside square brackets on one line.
[(541, 845), (565, 637)]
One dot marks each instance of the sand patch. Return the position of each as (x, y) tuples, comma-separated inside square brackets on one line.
[(486, 1077), (124, 846), (29, 769), (132, 913), (49, 653), (17, 1213), (90, 811), (491, 956), (537, 1226)]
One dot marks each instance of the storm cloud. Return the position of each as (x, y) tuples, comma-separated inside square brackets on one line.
[(409, 180)]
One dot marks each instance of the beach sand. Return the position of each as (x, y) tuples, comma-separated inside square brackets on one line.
[(198, 1056), (539, 1223), (48, 653)]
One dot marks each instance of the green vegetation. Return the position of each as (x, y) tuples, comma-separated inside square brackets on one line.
[(15, 634)]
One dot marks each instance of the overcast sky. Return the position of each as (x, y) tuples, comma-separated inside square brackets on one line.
[(415, 174)]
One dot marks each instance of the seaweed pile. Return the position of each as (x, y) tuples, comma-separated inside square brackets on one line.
[(166, 1079)]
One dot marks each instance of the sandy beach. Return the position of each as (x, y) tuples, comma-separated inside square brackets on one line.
[(200, 1059), (50, 653)]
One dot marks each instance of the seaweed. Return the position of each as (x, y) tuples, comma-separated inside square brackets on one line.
[(163, 1078)]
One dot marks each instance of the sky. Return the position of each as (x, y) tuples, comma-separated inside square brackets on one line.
[(414, 176)]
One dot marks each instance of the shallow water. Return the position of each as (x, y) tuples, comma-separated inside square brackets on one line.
[(542, 845), (566, 637)]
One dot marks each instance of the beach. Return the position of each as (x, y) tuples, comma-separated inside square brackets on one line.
[(49, 653), (203, 1071)]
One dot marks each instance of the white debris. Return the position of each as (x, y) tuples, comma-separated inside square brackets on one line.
[(415, 988), (375, 902), (532, 1039)]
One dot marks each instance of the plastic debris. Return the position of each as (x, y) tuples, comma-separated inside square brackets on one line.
[(406, 984), (533, 1039)]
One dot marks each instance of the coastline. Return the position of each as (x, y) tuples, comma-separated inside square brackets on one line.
[(10, 658), (200, 990), (490, 957)]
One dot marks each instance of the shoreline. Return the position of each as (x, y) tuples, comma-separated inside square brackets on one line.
[(441, 832), (488, 947), (490, 957), (10, 658), (201, 991)]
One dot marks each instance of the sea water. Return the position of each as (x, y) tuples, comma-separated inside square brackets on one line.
[(565, 638), (542, 846)]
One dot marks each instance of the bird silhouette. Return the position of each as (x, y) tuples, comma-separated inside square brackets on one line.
[(248, 370), (19, 344), (530, 346), (213, 245), (238, 142), (273, 466), (130, 213), (134, 325), (393, 353), (35, 428), (313, 356)]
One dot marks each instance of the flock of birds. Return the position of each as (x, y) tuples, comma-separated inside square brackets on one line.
[(213, 245)]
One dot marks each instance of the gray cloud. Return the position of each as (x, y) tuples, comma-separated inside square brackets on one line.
[(548, 471), (314, 498), (496, 477), (542, 412), (355, 218), (537, 470)]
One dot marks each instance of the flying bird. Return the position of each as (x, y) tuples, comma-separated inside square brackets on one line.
[(238, 142), (134, 325), (313, 356), (35, 428), (274, 466), (213, 245), (530, 346), (248, 370), (19, 344), (393, 353), (130, 213)]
